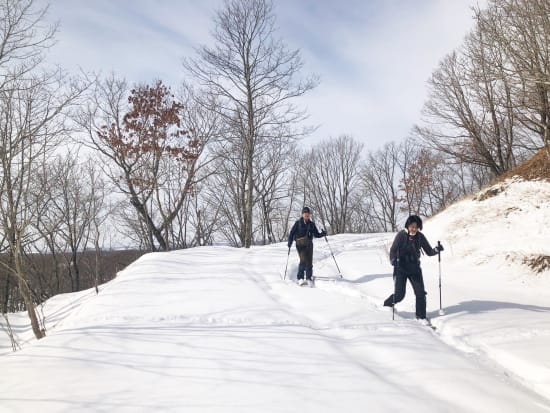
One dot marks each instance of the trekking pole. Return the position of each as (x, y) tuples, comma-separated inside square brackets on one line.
[(394, 288), (393, 299), (331, 253), (286, 266), (441, 312)]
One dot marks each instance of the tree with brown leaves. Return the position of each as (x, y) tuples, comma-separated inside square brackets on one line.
[(151, 149)]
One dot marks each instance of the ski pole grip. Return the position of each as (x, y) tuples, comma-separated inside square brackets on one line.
[(439, 250)]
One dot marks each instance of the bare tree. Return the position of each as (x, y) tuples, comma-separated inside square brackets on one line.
[(48, 225), (254, 77), (202, 215), (196, 221), (465, 115), (329, 174), (24, 36), (417, 175), (226, 190), (491, 99), (379, 180), (33, 121), (271, 186), (364, 216), (294, 195), (98, 211), (6, 327), (72, 213), (33, 108), (521, 30), (428, 181)]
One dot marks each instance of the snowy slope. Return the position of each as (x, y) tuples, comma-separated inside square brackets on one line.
[(497, 306), (217, 330)]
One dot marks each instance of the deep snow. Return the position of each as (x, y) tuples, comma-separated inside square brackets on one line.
[(216, 329)]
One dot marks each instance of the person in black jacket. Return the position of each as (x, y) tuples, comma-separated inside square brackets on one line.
[(405, 258), (303, 232)]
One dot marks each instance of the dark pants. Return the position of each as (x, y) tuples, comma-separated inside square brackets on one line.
[(400, 279), (306, 261)]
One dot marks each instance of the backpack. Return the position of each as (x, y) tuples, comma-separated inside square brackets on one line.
[(303, 241)]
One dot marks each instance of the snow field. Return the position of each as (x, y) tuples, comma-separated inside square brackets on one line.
[(216, 329)]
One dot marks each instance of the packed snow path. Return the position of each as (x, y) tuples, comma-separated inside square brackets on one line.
[(215, 329)]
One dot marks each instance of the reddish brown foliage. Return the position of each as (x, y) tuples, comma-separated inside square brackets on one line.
[(152, 128)]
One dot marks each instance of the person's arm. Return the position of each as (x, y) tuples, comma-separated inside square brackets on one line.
[(394, 250), (425, 245), (292, 233), (316, 232)]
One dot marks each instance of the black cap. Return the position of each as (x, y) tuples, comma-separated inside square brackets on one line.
[(306, 209)]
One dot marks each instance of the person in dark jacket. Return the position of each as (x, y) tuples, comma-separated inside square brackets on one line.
[(302, 233), (405, 258)]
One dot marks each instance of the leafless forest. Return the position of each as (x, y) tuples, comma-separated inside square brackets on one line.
[(87, 159)]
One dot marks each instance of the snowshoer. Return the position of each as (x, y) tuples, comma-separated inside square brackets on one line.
[(405, 258), (303, 232)]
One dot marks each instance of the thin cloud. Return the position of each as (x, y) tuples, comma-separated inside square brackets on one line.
[(373, 57)]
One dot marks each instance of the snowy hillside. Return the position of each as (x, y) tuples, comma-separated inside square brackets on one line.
[(217, 330), (504, 224), (498, 306)]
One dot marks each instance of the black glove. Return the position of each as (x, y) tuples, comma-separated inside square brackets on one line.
[(394, 262), (323, 233), (439, 248)]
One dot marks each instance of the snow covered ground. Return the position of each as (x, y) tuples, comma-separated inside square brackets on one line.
[(216, 329)]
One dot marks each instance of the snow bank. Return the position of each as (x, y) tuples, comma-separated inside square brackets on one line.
[(216, 329), (502, 225)]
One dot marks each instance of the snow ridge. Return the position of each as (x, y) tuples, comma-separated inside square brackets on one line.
[(216, 329)]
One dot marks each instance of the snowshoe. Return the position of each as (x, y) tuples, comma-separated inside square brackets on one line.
[(426, 322)]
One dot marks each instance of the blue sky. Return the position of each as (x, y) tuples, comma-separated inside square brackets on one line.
[(373, 56)]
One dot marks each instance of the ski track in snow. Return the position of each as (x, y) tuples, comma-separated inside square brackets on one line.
[(218, 330)]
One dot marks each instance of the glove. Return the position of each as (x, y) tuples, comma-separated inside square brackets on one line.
[(323, 233), (394, 262), (439, 248)]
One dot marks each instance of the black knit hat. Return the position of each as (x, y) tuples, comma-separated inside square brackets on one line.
[(306, 209), (416, 219)]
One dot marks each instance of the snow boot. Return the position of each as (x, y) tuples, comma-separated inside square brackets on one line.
[(426, 322)]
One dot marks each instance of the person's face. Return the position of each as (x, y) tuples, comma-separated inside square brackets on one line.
[(306, 215), (412, 228)]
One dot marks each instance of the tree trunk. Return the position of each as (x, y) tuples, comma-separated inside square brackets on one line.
[(5, 304), (97, 259), (75, 270), (27, 294), (154, 231), (249, 204)]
